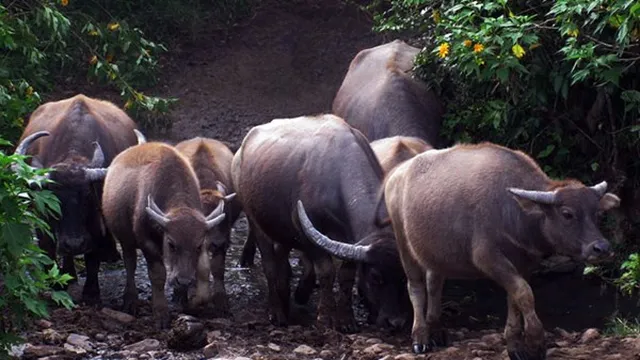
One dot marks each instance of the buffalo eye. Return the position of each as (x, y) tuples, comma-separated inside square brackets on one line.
[(568, 214)]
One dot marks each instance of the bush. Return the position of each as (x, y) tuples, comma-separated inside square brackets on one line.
[(558, 80), (25, 271)]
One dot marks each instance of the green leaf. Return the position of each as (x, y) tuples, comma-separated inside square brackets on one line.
[(547, 151)]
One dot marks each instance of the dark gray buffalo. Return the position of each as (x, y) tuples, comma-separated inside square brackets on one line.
[(379, 96), (211, 161), (330, 167), (487, 211), (78, 137), (151, 201)]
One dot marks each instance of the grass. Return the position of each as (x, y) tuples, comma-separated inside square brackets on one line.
[(623, 327)]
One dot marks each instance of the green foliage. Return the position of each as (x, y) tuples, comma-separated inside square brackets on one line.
[(623, 327), (25, 271)]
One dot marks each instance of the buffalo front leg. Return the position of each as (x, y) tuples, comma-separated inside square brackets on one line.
[(437, 335), (278, 306), (248, 250), (220, 301), (158, 277), (346, 279), (202, 280), (91, 289), (325, 272), (307, 280), (69, 267), (513, 328), (521, 299)]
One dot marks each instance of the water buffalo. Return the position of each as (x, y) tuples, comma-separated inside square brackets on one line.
[(379, 97), (211, 161), (393, 151), (151, 201), (331, 168), (487, 211), (78, 137)]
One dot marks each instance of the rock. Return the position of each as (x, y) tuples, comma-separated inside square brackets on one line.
[(552, 351), (101, 337), (214, 335), (404, 356), (492, 339), (80, 341), (376, 349), (118, 315), (304, 350), (52, 337), (276, 333), (43, 324), (143, 346), (242, 358), (589, 335), (275, 347), (372, 341), (480, 353), (74, 349), (614, 357), (144, 356), (451, 350), (565, 334), (477, 358), (211, 350), (187, 333), (386, 357), (37, 351), (326, 354)]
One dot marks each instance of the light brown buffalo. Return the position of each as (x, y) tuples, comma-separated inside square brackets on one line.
[(211, 161), (379, 96), (78, 137), (151, 201), (395, 150)]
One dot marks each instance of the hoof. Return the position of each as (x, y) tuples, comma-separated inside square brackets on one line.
[(92, 300), (527, 355), (279, 321), (438, 338), (421, 348), (348, 327)]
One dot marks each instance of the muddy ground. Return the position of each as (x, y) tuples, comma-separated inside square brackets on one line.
[(288, 60)]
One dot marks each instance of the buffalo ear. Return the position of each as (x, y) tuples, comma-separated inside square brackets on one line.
[(529, 206), (609, 201)]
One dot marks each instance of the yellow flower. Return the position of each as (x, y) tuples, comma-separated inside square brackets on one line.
[(128, 104), (109, 58), (94, 59), (477, 48), (113, 26), (480, 61), (29, 91), (93, 33), (436, 16), (518, 51), (64, 2), (139, 95), (573, 33), (467, 43), (443, 50), (511, 14)]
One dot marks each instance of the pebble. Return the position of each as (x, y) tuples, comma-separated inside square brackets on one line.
[(37, 351), (589, 335), (373, 341), (275, 347), (242, 358), (211, 350), (492, 339), (480, 353), (405, 356), (277, 333), (214, 335), (451, 350), (118, 315), (44, 324), (80, 341), (327, 354), (52, 337), (377, 348), (143, 346), (74, 349), (187, 333), (304, 350), (100, 337), (386, 357)]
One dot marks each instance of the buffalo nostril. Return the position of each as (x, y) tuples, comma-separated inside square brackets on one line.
[(182, 281), (601, 247)]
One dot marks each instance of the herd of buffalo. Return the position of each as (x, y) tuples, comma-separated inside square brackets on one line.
[(369, 184)]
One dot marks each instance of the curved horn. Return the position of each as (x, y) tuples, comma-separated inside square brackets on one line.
[(543, 197), (155, 213), (141, 138), (216, 212), (21, 149), (223, 190), (95, 174), (98, 156), (94, 171), (215, 221), (600, 188), (341, 250)]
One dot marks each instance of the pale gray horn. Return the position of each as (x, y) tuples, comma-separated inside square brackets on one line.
[(543, 197), (335, 248), (600, 188), (21, 149), (97, 161), (215, 221), (221, 188), (155, 213), (216, 212), (141, 138), (94, 171)]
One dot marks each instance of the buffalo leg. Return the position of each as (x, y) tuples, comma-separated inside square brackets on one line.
[(326, 304), (307, 280), (91, 289), (435, 283), (130, 298), (158, 277), (248, 250), (220, 300), (279, 314), (69, 267), (513, 328), (521, 295), (202, 279), (346, 280), (283, 281)]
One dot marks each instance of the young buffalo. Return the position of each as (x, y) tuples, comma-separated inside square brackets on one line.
[(151, 201)]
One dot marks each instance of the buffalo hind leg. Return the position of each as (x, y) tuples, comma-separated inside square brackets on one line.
[(307, 281), (521, 299), (91, 289), (220, 300), (435, 283), (279, 310), (346, 279), (248, 250), (130, 297)]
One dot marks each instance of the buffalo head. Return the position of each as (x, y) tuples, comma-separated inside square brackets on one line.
[(73, 183), (381, 279), (569, 216), (185, 233)]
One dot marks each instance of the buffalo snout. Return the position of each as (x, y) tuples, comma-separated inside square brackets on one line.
[(75, 245), (598, 250)]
